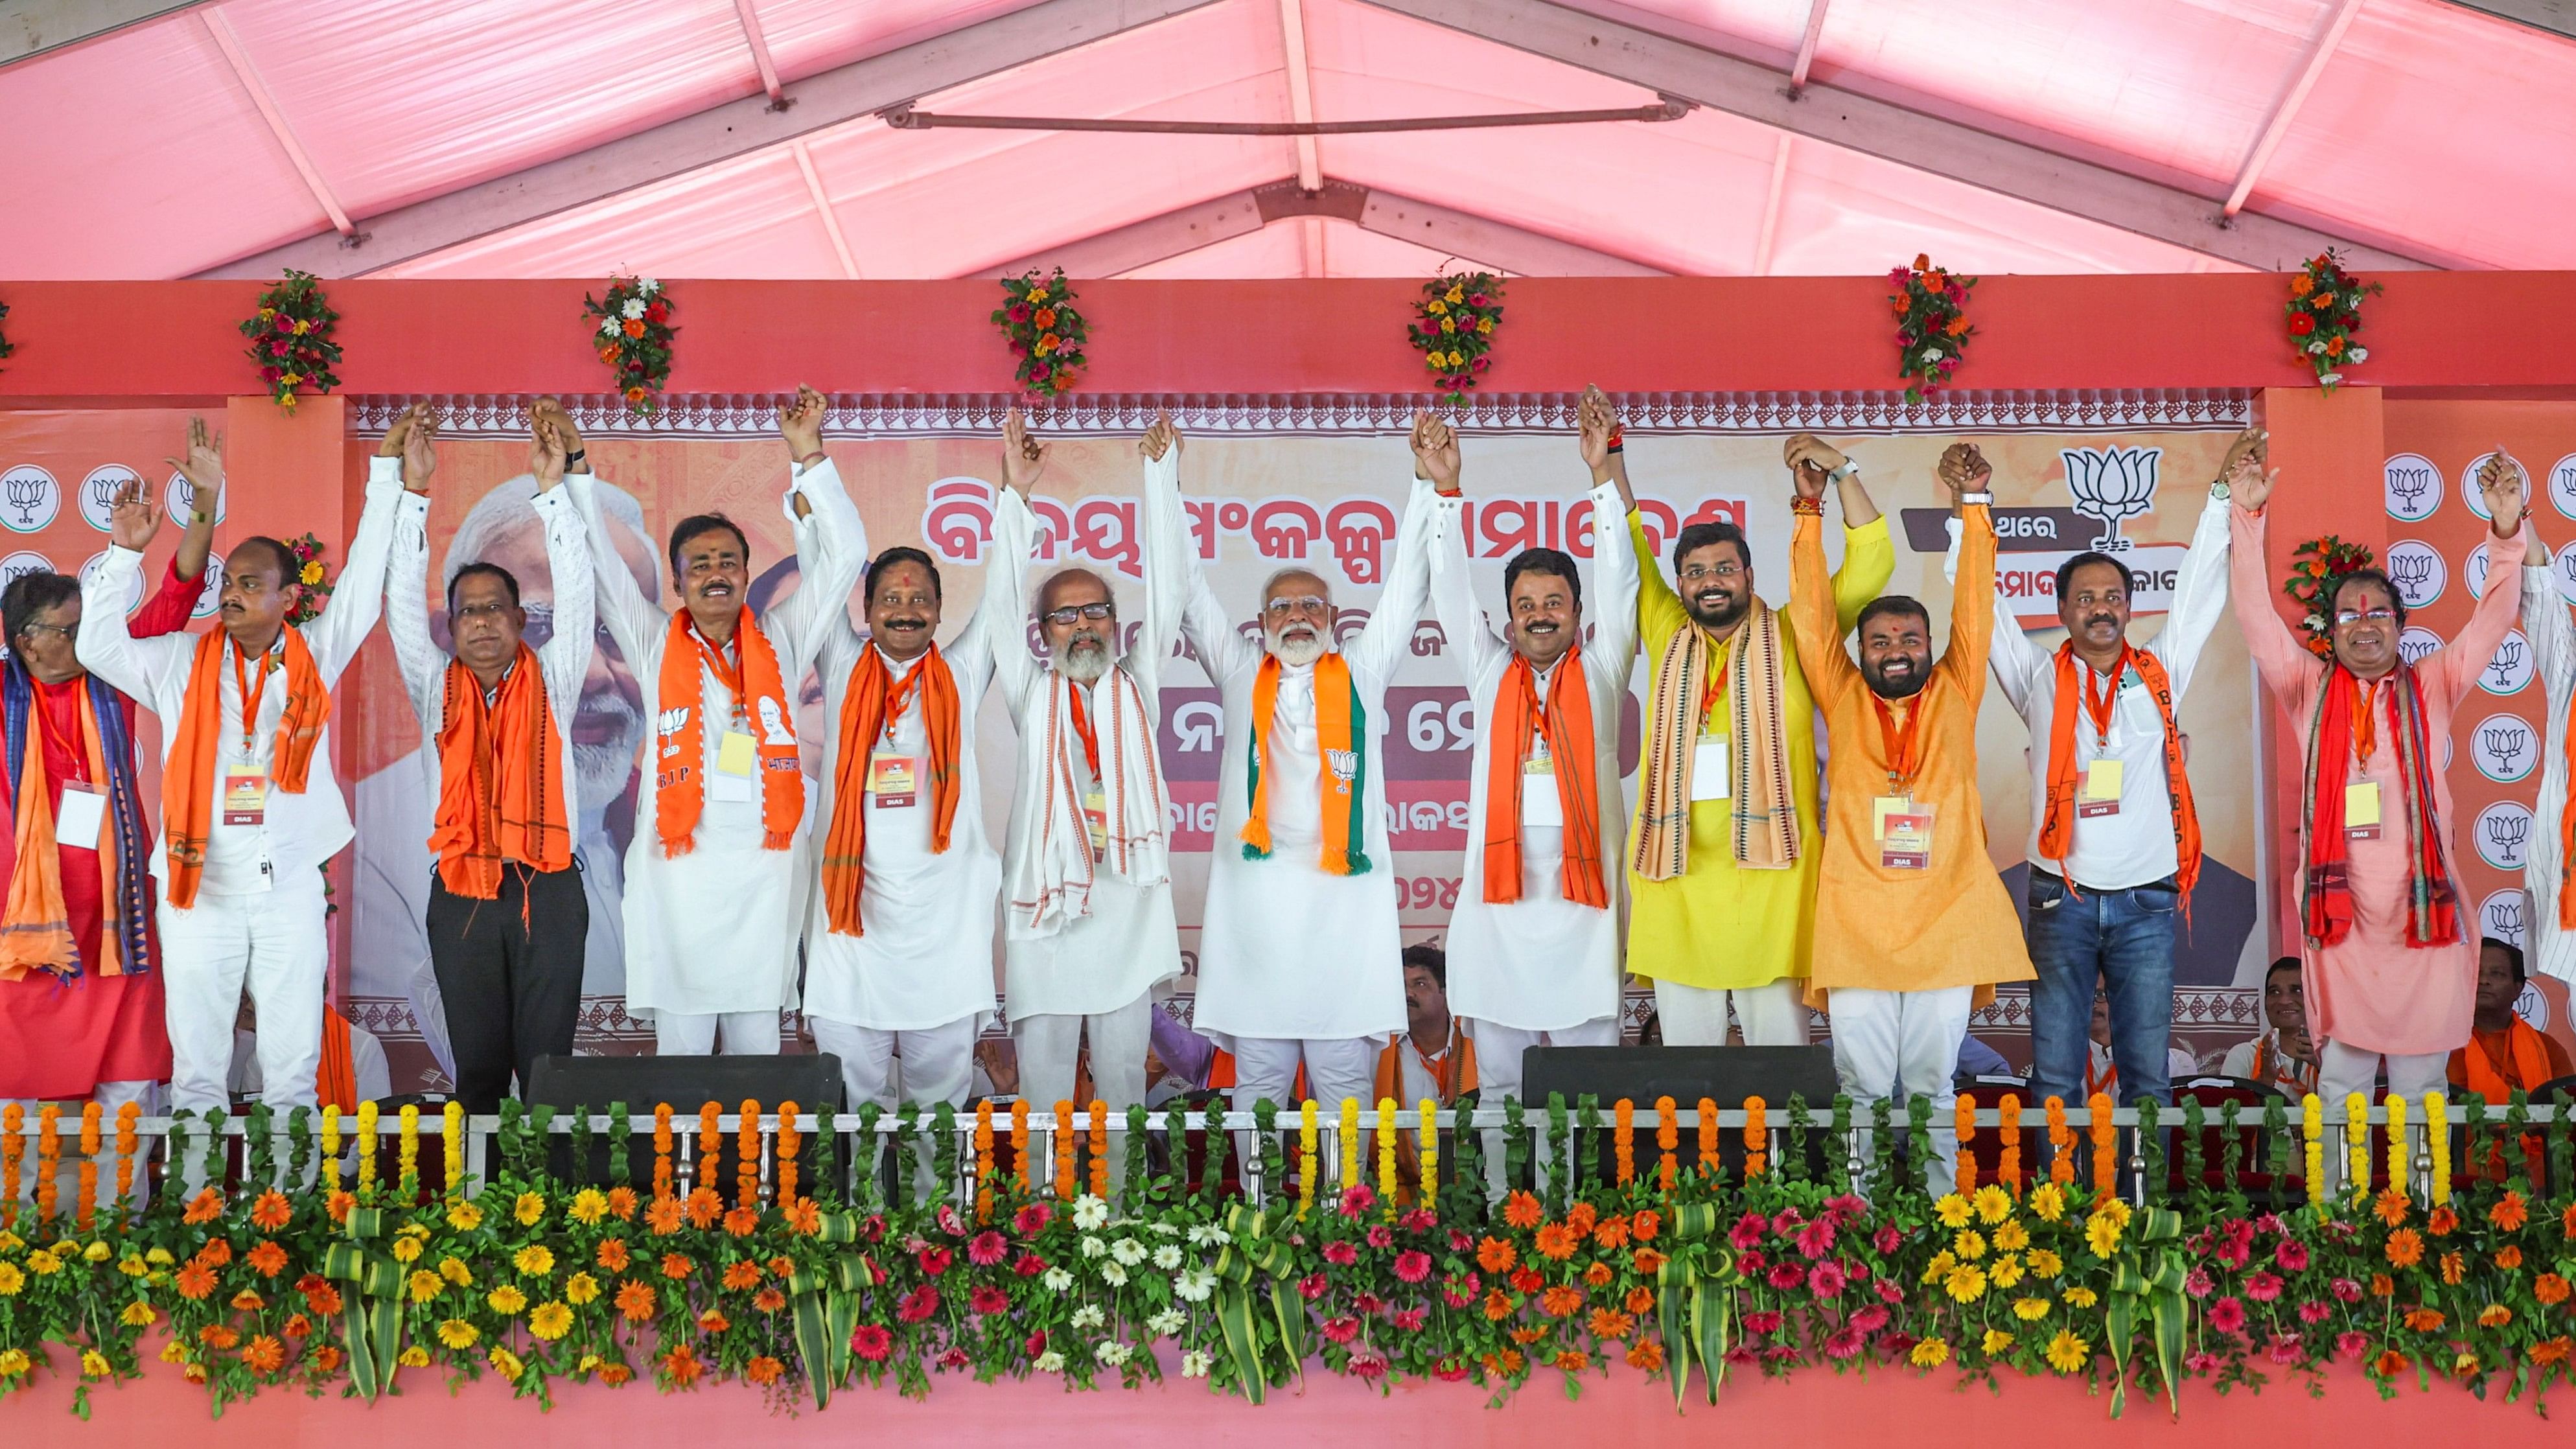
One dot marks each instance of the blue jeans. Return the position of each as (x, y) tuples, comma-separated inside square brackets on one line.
[(2123, 939)]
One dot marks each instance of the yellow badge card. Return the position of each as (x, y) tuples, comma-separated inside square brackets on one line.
[(2361, 810), (732, 777), (1095, 818), (895, 780), (1884, 806), (2101, 789), (245, 795)]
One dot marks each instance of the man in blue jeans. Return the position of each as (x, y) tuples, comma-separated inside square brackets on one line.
[(2114, 844)]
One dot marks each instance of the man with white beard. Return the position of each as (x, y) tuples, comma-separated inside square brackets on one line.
[(1089, 929), (390, 946), (1299, 954)]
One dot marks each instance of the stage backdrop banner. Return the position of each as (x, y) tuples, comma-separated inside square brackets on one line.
[(1333, 501)]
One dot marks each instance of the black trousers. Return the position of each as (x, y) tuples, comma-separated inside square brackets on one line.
[(509, 976)]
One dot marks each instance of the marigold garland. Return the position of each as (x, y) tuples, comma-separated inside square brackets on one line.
[(85, 1209), (1623, 1139), (1757, 1137), (1427, 1117), (746, 1156), (1386, 1130), (2008, 1166), (1708, 1157), (2061, 1144), (1099, 1148), (1066, 1149), (2316, 568), (2106, 1143), (1668, 1137), (1044, 331), (127, 1142), (710, 1143), (1453, 327), (634, 335), (791, 1142), (1963, 1167), (1020, 1144), (984, 1160), (290, 338), (2437, 1121), (1932, 327), (662, 1152), (1308, 1162), (2322, 314), (2356, 1128), (2312, 1117)]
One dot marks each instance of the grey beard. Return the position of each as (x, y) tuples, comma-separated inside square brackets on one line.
[(1297, 651), (1084, 663)]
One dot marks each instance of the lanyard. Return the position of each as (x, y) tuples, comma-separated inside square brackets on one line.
[(243, 684), (1081, 726), (727, 672), (2099, 710), (70, 749), (1714, 692), (2365, 723), (1904, 747), (901, 697)]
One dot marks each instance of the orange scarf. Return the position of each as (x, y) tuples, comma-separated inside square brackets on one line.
[(869, 709), (1566, 722), (36, 930), (2057, 828), (501, 774), (2530, 1064), (759, 696), (1341, 731), (335, 1082), (188, 789)]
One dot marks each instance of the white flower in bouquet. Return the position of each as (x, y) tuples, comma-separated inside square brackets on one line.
[(648, 286), (608, 327), (1094, 1248), (1167, 1257), (1055, 1280), (1195, 1285), (1196, 1363), (1050, 1362), (1089, 1316), (635, 309), (1204, 1234), (2356, 354), (1168, 1230), (1167, 1322), (1111, 1354), (1113, 1275), (1931, 354), (1090, 1213), (1128, 1251)]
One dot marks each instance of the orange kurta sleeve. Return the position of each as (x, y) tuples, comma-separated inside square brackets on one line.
[(1829, 670), (1972, 605)]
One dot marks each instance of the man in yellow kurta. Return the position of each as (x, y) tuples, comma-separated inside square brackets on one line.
[(1722, 865), (1913, 927)]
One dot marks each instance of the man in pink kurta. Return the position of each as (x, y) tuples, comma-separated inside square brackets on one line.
[(2372, 994)]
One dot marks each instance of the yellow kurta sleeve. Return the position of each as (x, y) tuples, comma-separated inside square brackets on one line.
[(1659, 609), (1869, 561), (1972, 604), (1815, 611)]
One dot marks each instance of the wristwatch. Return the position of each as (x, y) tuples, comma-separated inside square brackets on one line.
[(2218, 490), (1985, 496), (1849, 467)]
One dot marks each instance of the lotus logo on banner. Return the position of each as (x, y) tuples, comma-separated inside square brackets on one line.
[(2414, 487), (2501, 916), (2415, 643), (2562, 485), (29, 498), (2417, 570), (2110, 484), (2479, 566), (98, 494), (2504, 834), (2509, 672), (2506, 748)]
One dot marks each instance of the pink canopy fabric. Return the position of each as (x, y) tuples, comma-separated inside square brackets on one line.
[(217, 133)]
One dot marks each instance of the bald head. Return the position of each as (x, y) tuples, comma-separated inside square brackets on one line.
[(1071, 588)]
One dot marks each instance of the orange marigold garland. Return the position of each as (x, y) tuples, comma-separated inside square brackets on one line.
[(1707, 1137), (85, 1206), (710, 1143), (746, 1157), (2323, 311), (1964, 1170), (13, 1147), (1756, 1137), (1453, 328), (290, 338), (1932, 328), (662, 1151), (1044, 331), (1623, 1140), (2008, 1167), (2106, 1138), (49, 1151), (127, 1140), (1099, 1149), (2061, 1143), (984, 1160), (1020, 1143), (790, 1143), (1065, 1147), (635, 335), (1668, 1136)]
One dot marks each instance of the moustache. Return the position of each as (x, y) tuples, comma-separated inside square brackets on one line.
[(906, 623)]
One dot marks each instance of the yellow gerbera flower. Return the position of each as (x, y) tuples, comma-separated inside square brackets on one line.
[(464, 1216), (506, 1364), (453, 1269), (2081, 1298), (2067, 1353), (1996, 1341), (1966, 1284), (589, 1205), (424, 1286), (1968, 1244), (536, 1260), (506, 1299), (1930, 1353), (2005, 1271), (2045, 1264), (457, 1333), (2012, 1237), (1940, 1266), (551, 1321), (1993, 1203), (1952, 1210), (2027, 1309), (528, 1209), (581, 1288), (2048, 1202)]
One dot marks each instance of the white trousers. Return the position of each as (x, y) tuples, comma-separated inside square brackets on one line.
[(109, 1096), (1049, 1046), (1336, 1067), (1898, 1045), (938, 1063), (745, 1033), (2343, 1070), (1773, 1014), (275, 942), (1499, 1075)]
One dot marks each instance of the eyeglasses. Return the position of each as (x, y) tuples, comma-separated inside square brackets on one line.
[(1696, 572), (68, 631), (2355, 616), (1071, 612), (1303, 604), (494, 610)]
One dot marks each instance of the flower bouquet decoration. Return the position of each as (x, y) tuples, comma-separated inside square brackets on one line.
[(635, 334), (2314, 571), (1045, 333), (1932, 328), (1453, 328), (2324, 311), (290, 338)]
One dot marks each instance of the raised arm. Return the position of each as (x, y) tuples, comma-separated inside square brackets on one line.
[(358, 600), (1972, 602), (1002, 616), (2544, 621), (1453, 595), (831, 557), (132, 520), (2285, 663), (1166, 541), (1611, 602), (1812, 616), (565, 660), (151, 670), (1389, 635), (423, 663), (2015, 663), (2456, 666), (2200, 589)]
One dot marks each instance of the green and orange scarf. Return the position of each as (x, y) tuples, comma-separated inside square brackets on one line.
[(1341, 740)]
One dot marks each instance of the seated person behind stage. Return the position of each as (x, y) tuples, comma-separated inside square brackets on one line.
[(2102, 1071), (2504, 1051), (370, 1078), (1435, 1057), (2283, 1056)]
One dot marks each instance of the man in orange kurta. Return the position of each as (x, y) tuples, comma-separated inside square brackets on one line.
[(1913, 927)]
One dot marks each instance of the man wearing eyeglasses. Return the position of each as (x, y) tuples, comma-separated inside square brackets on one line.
[(1300, 958), (1088, 924), (2391, 966), (1723, 861), (507, 918)]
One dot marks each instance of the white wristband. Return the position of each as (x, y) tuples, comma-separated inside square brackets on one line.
[(1987, 498), (1849, 467)]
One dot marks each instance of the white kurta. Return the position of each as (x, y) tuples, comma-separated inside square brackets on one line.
[(927, 957), (1129, 940), (715, 930), (2553, 653), (1541, 963), (1289, 951)]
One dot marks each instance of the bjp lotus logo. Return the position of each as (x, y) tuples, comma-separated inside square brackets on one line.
[(2111, 484)]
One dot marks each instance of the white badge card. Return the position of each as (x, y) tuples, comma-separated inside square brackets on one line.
[(2101, 795), (1710, 777), (245, 795), (77, 819), (731, 778), (1541, 808), (1905, 839), (2361, 810), (895, 780)]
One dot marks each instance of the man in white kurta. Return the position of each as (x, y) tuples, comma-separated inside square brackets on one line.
[(1088, 925), (1299, 964), (2552, 947), (915, 983), (711, 934), (1542, 970)]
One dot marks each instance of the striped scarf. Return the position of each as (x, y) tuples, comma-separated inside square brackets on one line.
[(1764, 817), (128, 897), (2433, 905), (1341, 745)]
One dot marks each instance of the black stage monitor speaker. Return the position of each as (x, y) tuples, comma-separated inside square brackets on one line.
[(813, 1083), (1724, 1075)]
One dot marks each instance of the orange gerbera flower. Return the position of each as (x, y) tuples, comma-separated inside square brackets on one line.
[(196, 1281), (2508, 1257), (621, 1203), (681, 1366), (612, 1254), (271, 1211), (635, 1300), (769, 1300), (2550, 1289), (1612, 1232), (1528, 1335), (218, 1336), (1573, 1361), (1506, 1363), (664, 1215), (2390, 1363), (742, 1221), (1648, 1261), (2381, 1285), (205, 1207), (1610, 1323), (2425, 1320), (1496, 1255), (1599, 1275), (805, 1216), (2454, 1268), (267, 1259), (2567, 1222), (1581, 1217), (2405, 1248), (1561, 1300), (705, 1207), (1498, 1305), (2494, 1315), (2510, 1212), (264, 1355), (1646, 1354), (2391, 1207), (763, 1370), (2551, 1350), (1644, 1225), (1557, 1241), (1640, 1300), (1521, 1210), (677, 1265), (2442, 1221), (741, 1275)]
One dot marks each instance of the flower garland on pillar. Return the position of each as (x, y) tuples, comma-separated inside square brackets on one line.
[(635, 335), (2322, 314), (2315, 569), (1044, 331), (1453, 328), (1932, 327), (290, 338)]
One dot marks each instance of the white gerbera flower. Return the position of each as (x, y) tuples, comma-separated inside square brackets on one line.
[(1088, 1316), (1931, 354), (608, 327), (1167, 1257), (1090, 1213), (648, 286), (1050, 1362), (1168, 1230), (635, 309), (1056, 1280), (1196, 1363), (1167, 1322), (1204, 1234), (1111, 1354), (1094, 1248), (1113, 1275), (1195, 1285), (2356, 354), (1128, 1251)]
